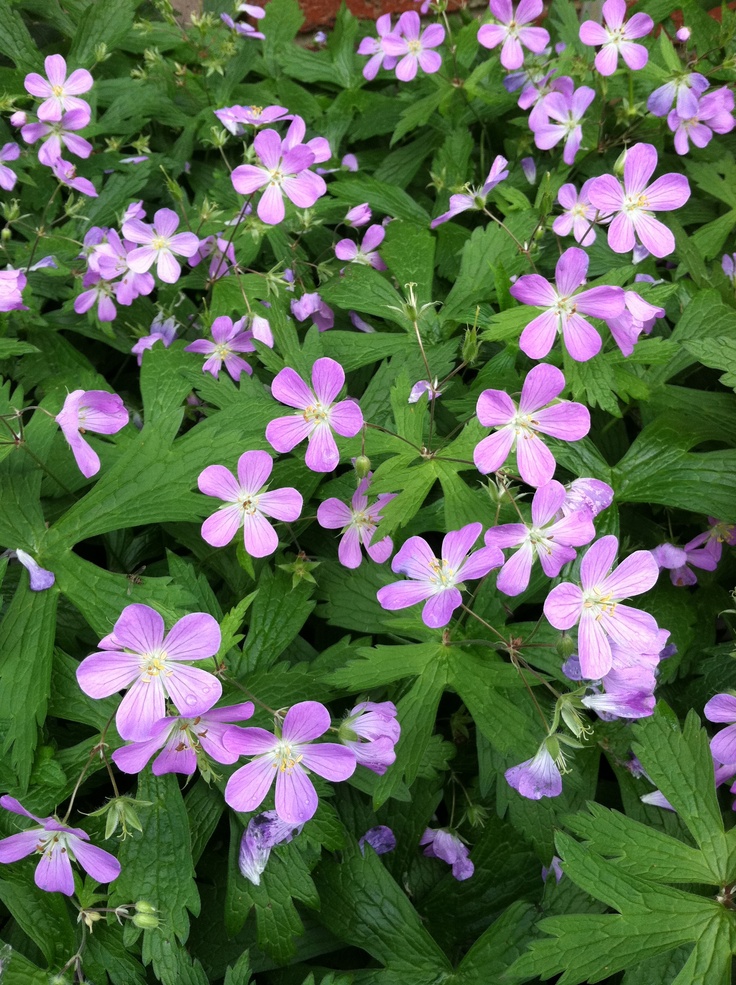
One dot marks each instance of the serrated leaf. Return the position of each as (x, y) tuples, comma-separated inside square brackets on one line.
[(706, 316), (394, 202), (42, 916), (104, 21), (14, 347), (718, 353), (277, 614), (364, 289), (15, 41), (408, 251)]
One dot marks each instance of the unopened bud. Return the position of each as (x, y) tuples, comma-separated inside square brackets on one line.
[(19, 119), (101, 52), (142, 907), (565, 646), (477, 815), (683, 34), (362, 466), (146, 921), (5, 234), (618, 167), (471, 346)]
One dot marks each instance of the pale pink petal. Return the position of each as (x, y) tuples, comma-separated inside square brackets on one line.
[(581, 339), (489, 35), (348, 551), (328, 378), (139, 628), (218, 481), (192, 690), (606, 61), (254, 469), (220, 528), (296, 798), (330, 760), (289, 388), (671, 191), (571, 271), (285, 433), (103, 674), (54, 872), (495, 408), (480, 563), (247, 787), (322, 452), (639, 165), (548, 500), (491, 453), (457, 544), (282, 504), (333, 514), (535, 461), (438, 609), (563, 606), (247, 178), (304, 722), (101, 865), (401, 594), (380, 551), (513, 578), (18, 846), (250, 741), (414, 559), (592, 33), (636, 574), (567, 420), (597, 562), (346, 418), (542, 384), (653, 234), (539, 335), (134, 757), (193, 637), (594, 650), (141, 708), (533, 289), (259, 536), (721, 708)]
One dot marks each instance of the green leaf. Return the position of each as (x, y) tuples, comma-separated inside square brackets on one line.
[(718, 353), (14, 347), (278, 613), (43, 916), (498, 947), (103, 22), (382, 198), (353, 350), (680, 764), (23, 971), (408, 251), (239, 973), (705, 317), (364, 289), (26, 650), (15, 41)]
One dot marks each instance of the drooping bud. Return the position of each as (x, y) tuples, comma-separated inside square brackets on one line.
[(565, 646), (362, 466)]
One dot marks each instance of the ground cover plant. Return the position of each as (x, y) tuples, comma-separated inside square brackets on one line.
[(367, 500)]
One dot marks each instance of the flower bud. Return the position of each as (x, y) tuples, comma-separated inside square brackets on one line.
[(362, 466), (471, 346), (146, 921), (618, 167), (142, 907), (683, 34), (565, 646), (19, 119), (101, 53)]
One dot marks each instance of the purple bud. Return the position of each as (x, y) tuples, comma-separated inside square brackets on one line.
[(360, 215), (529, 167), (381, 839), (683, 34)]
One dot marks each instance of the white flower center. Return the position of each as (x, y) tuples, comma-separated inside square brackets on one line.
[(443, 575), (317, 413), (635, 203), (286, 758), (598, 603), (154, 664)]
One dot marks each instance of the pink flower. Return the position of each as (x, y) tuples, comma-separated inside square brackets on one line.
[(221, 255), (182, 740), (549, 539), (58, 92), (247, 504), (579, 216), (597, 605), (367, 253), (564, 307), (12, 284), (39, 578), (90, 410), (8, 152), (371, 731), (140, 653), (677, 559), (719, 533), (475, 198), (588, 494), (358, 522), (415, 47), (720, 708), (234, 117), (635, 201), (617, 37), (67, 175), (519, 426), (161, 331), (713, 113), (58, 133), (228, 338), (159, 244), (263, 833), (244, 30), (434, 580), (58, 847), (100, 293), (359, 215), (317, 414), (684, 91), (312, 305), (567, 112), (513, 31), (374, 47), (285, 171), (286, 757)]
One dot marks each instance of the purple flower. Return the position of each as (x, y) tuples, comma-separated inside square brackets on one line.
[(565, 307), (443, 844), (285, 171), (684, 92), (617, 37), (587, 494), (99, 293), (8, 152), (513, 31), (371, 731), (475, 198), (110, 260), (435, 580), (359, 215), (713, 114), (420, 388), (263, 833), (627, 703), (529, 167), (536, 778), (549, 539), (159, 242), (12, 283), (66, 173), (19, 118), (58, 92), (677, 559), (251, 10), (161, 331), (39, 578), (638, 316), (247, 504), (319, 146), (317, 414), (90, 410), (358, 523), (567, 112), (228, 338), (234, 117), (727, 265), (58, 847), (415, 47), (579, 216), (597, 605), (521, 425), (140, 653), (312, 304), (58, 133), (244, 30), (347, 250), (718, 534), (221, 254), (721, 708), (635, 201), (380, 838), (183, 739), (287, 757), (374, 47)]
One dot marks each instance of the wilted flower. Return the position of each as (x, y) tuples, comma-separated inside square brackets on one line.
[(475, 198), (371, 731), (537, 777), (39, 578), (380, 838), (8, 152), (162, 330), (443, 844), (263, 833), (90, 410), (67, 175), (312, 305)]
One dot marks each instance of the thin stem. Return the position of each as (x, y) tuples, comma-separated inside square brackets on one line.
[(484, 623), (378, 427), (254, 699), (39, 228)]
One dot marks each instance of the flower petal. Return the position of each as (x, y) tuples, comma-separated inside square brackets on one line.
[(296, 798), (247, 787)]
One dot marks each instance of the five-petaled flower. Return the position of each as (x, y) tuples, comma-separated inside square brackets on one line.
[(317, 416), (58, 92), (358, 523), (414, 49), (521, 425), (228, 339), (159, 242), (437, 581), (140, 653), (286, 757), (617, 37), (513, 31), (247, 504), (58, 846)]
